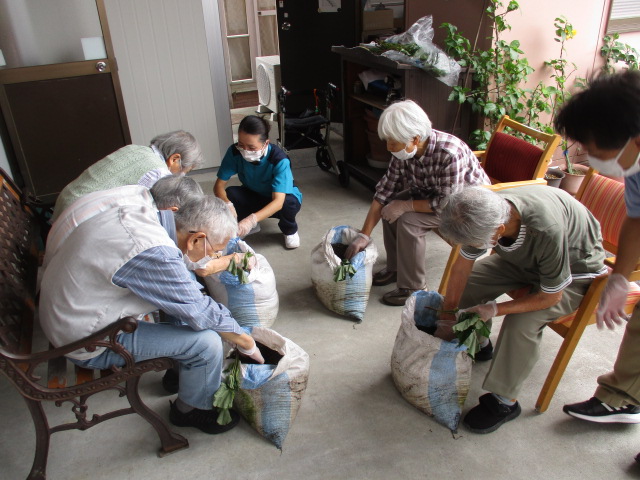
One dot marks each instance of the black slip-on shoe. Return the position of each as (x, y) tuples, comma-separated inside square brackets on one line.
[(205, 420), (490, 414), (485, 353), (171, 380), (383, 277), (593, 410)]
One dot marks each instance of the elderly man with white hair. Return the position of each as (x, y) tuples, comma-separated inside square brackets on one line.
[(169, 153), (426, 167), (128, 259), (544, 241)]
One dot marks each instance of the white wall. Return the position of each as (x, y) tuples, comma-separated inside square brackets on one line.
[(170, 78)]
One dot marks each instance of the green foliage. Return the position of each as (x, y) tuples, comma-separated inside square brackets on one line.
[(240, 269), (498, 75), (469, 329), (345, 268), (614, 51), (224, 396)]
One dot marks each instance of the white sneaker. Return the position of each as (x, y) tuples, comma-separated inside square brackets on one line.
[(292, 241)]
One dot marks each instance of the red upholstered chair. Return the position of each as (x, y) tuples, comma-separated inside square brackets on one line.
[(511, 159)]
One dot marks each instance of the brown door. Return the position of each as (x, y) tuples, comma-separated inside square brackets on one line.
[(59, 91)]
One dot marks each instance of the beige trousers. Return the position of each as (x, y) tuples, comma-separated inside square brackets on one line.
[(622, 386), (404, 241), (517, 348)]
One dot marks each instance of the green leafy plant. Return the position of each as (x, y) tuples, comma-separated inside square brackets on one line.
[(226, 393), (558, 94), (240, 269), (614, 51), (468, 329), (499, 74), (343, 270)]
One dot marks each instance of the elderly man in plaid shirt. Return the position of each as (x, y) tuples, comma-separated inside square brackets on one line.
[(427, 166)]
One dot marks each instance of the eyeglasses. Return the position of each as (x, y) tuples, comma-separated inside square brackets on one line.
[(215, 254)]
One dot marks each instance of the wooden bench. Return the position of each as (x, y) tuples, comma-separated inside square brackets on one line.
[(25, 370)]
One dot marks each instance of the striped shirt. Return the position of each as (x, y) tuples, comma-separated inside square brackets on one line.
[(447, 165), (159, 276)]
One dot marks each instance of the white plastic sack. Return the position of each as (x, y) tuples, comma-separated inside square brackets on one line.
[(350, 296), (270, 395), (431, 374), (253, 304)]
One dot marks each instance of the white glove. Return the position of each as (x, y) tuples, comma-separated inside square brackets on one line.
[(246, 224), (239, 257), (614, 296), (396, 209), (486, 310), (254, 353), (232, 209), (358, 245)]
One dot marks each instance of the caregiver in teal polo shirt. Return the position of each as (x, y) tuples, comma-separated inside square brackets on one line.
[(268, 188)]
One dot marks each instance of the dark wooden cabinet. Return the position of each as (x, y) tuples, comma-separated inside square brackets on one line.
[(415, 84)]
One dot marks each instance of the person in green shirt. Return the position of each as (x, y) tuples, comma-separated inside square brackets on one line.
[(543, 240)]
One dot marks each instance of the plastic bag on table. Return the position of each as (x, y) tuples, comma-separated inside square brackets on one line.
[(416, 48)]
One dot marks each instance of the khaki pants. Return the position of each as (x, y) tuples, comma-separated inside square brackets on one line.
[(622, 386), (517, 348), (404, 241)]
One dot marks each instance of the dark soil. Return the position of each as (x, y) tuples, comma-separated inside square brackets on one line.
[(340, 249), (429, 330), (271, 357)]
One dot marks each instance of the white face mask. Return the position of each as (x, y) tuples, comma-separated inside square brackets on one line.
[(404, 155), (191, 265), (612, 167), (488, 246), (250, 155)]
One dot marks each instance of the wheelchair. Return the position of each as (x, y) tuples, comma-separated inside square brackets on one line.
[(311, 129)]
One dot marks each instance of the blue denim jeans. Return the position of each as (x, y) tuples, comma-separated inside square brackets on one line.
[(199, 353)]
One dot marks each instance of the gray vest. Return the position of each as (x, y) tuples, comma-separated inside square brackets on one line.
[(78, 296)]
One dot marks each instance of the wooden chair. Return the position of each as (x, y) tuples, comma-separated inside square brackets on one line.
[(18, 270), (604, 198), (511, 159), (509, 162)]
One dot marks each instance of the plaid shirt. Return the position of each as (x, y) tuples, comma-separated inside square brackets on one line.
[(447, 165)]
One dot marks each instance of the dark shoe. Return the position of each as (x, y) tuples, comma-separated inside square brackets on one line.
[(397, 297), (383, 277), (485, 353), (171, 380), (594, 410), (490, 414), (205, 420)]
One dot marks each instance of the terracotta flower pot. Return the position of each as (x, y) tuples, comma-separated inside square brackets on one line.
[(571, 182)]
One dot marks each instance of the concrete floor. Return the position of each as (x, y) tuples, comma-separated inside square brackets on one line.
[(353, 423)]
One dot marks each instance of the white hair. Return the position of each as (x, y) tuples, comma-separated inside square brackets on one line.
[(174, 190), (207, 214), (472, 216), (403, 121), (183, 143)]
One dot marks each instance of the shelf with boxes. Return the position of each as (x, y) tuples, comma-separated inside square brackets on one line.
[(365, 155)]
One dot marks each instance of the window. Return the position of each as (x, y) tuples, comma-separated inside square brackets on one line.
[(625, 16)]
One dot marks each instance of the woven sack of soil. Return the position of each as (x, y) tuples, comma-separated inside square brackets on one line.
[(271, 394), (342, 285), (431, 374), (252, 304)]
